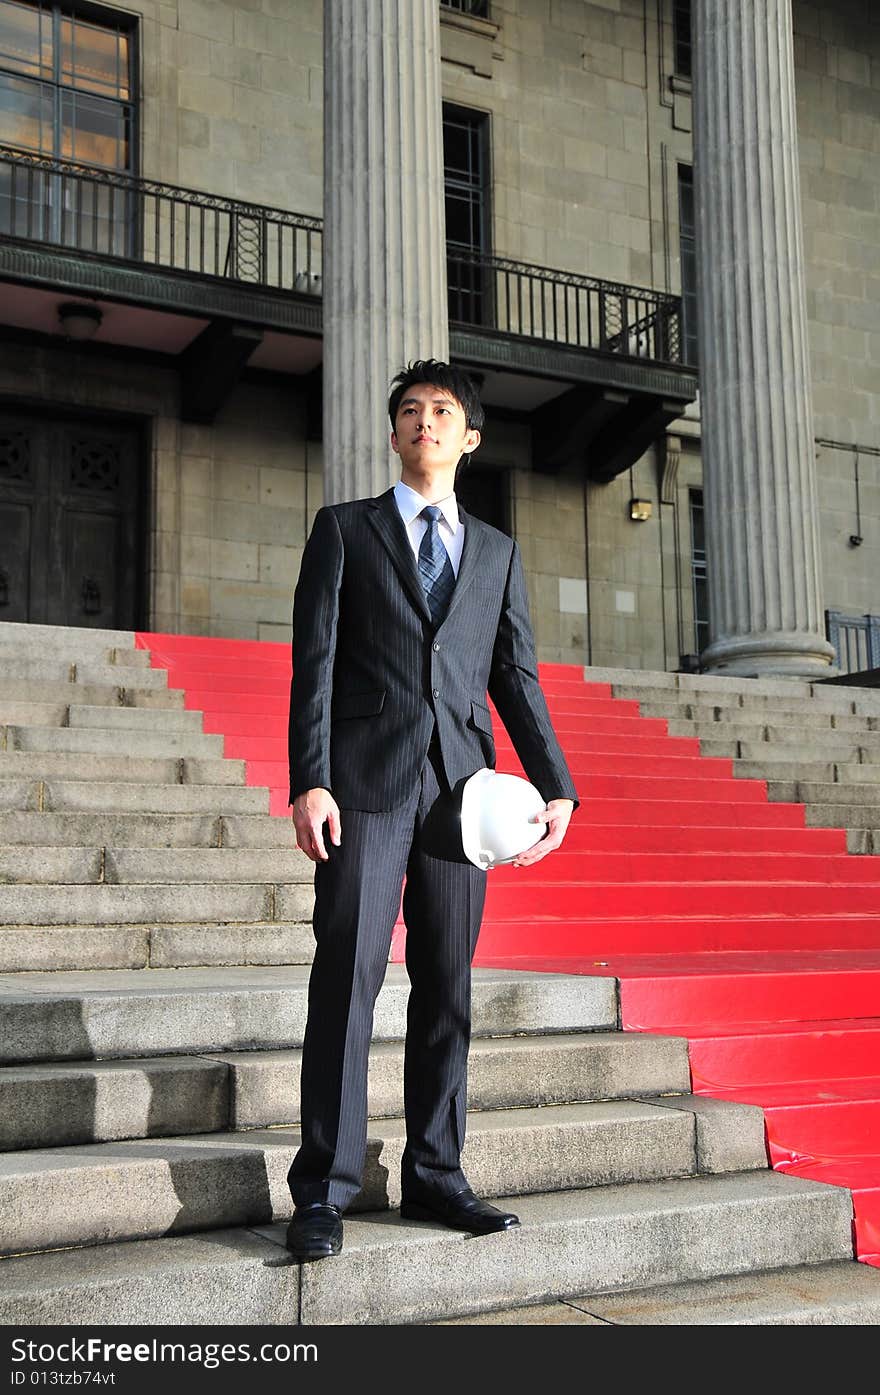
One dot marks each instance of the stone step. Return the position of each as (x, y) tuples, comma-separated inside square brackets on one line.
[(50, 1104), (841, 703), (813, 772), (129, 658), (841, 1294), (134, 830), (775, 735), (146, 904), (34, 714), (790, 753), (127, 744), (863, 841), (44, 765), (119, 1013), (608, 1238), (73, 866), (841, 815), (76, 638), (122, 691), (858, 795), (86, 796), (240, 831), (732, 685), (811, 720), (134, 719), (39, 948), (394, 1271), (101, 1192), (88, 671), (31, 827)]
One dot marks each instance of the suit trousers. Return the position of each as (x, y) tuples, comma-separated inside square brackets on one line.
[(357, 897)]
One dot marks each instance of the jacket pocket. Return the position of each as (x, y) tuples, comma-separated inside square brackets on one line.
[(481, 717), (358, 705)]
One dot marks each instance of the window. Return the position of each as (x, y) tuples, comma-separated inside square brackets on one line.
[(681, 37), (466, 179), (478, 8), (688, 252), (66, 92), (698, 571)]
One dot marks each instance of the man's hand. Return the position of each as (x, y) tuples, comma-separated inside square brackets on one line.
[(311, 811), (556, 815)]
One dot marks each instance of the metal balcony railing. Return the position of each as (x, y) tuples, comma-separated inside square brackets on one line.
[(116, 215), (563, 308), (124, 218), (856, 640)]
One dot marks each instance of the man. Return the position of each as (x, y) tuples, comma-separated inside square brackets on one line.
[(407, 611)]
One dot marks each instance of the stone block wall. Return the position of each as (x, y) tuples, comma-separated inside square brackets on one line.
[(588, 129), (231, 94)]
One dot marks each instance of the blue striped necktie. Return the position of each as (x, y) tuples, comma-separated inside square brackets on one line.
[(435, 568)]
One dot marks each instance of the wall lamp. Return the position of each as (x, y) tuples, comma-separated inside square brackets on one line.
[(79, 320), (640, 510)]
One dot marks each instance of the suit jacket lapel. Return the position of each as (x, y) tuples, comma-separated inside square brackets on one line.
[(469, 565), (385, 518)]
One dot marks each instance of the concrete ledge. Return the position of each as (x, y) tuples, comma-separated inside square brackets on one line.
[(46, 638), (155, 1186), (503, 1072), (143, 797), (224, 1277), (578, 1242), (843, 1293), (39, 948), (130, 830), (178, 946), (729, 1136), (48, 1106), (139, 905), (127, 743), (80, 1016)]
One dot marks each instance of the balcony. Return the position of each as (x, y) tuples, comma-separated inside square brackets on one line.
[(96, 232), (608, 356), (593, 366)]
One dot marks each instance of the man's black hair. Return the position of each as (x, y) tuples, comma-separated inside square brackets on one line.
[(442, 375)]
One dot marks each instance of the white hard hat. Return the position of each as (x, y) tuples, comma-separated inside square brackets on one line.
[(496, 814)]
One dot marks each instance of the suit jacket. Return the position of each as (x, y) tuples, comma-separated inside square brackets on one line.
[(372, 678)]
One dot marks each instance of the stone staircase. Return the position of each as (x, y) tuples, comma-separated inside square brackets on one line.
[(152, 1004), (815, 744), (126, 839)]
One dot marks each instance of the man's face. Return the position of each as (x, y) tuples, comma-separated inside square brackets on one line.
[(431, 432)]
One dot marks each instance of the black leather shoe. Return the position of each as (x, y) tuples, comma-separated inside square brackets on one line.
[(462, 1211), (315, 1231)]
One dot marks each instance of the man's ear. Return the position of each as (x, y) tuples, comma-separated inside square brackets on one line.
[(472, 440), (394, 443)]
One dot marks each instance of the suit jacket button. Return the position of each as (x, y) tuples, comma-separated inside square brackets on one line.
[(435, 645), (436, 692)]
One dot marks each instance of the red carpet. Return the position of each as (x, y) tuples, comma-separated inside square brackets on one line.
[(724, 917)]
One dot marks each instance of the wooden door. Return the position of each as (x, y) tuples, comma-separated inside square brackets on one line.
[(70, 521)]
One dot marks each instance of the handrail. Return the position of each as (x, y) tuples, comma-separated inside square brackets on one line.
[(109, 213), (563, 307), (122, 216)]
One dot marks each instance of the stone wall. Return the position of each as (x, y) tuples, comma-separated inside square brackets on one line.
[(231, 98), (588, 129)]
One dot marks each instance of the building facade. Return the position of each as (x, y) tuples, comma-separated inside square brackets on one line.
[(169, 339)]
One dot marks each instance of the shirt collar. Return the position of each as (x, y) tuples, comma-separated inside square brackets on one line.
[(410, 503)]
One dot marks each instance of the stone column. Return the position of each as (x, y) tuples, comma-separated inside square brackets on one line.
[(757, 419), (384, 226)]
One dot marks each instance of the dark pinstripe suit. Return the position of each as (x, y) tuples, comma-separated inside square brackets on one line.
[(391, 717)]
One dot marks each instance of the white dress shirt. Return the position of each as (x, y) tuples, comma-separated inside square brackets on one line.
[(449, 527)]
